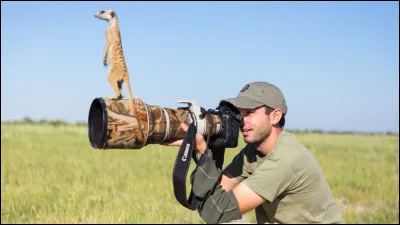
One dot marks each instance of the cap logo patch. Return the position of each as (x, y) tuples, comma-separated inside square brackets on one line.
[(245, 88)]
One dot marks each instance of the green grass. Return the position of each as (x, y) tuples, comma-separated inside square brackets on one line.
[(52, 175)]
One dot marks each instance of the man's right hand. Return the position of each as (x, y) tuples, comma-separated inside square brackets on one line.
[(200, 143)]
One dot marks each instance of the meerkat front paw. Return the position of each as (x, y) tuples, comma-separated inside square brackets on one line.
[(105, 63)]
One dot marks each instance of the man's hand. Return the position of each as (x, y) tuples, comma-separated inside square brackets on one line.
[(200, 143)]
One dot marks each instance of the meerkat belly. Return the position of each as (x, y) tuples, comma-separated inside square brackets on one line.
[(118, 61)]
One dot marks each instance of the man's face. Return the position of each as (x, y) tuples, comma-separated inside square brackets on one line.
[(256, 125)]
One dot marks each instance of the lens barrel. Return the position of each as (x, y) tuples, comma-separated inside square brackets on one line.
[(111, 125)]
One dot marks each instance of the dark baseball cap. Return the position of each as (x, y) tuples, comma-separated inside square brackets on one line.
[(256, 94)]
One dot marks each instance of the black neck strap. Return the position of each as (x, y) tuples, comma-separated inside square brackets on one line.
[(182, 164), (181, 168)]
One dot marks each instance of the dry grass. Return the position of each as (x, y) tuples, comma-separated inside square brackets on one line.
[(52, 175)]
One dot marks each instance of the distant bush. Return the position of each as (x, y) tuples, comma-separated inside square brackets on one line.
[(81, 123), (58, 122), (27, 120), (43, 121)]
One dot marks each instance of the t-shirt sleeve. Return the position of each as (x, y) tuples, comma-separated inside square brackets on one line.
[(270, 179), (237, 167)]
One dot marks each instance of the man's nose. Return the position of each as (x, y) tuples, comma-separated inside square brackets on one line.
[(244, 120)]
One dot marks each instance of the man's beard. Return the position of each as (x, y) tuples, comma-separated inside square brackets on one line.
[(258, 141)]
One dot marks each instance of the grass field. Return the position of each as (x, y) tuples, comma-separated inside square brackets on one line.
[(52, 175)]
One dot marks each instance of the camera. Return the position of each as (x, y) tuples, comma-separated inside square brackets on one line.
[(112, 125)]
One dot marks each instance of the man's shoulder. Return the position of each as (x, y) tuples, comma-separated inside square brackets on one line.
[(290, 149), (288, 141)]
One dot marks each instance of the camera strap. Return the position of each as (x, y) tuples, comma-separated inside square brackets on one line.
[(181, 168), (182, 163)]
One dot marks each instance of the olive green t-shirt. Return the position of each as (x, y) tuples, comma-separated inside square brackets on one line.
[(291, 182)]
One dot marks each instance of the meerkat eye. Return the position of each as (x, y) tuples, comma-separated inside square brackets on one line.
[(102, 11)]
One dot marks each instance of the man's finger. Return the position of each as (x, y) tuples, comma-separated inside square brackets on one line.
[(184, 127), (175, 143)]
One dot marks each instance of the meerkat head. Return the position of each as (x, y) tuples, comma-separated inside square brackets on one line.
[(106, 14)]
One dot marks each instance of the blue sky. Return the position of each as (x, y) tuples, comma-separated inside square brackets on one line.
[(337, 63)]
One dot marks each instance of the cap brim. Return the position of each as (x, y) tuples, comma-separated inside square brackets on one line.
[(242, 102)]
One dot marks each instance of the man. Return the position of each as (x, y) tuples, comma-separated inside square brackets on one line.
[(274, 174)]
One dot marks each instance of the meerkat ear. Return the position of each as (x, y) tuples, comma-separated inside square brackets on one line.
[(112, 14)]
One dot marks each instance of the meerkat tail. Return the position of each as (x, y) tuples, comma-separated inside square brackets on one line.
[(128, 87)]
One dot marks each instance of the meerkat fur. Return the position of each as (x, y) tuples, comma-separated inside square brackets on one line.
[(113, 56)]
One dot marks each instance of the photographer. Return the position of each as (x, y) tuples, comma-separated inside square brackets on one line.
[(273, 174)]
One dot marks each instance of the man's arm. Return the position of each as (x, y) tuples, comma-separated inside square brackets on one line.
[(228, 182), (247, 198), (218, 203)]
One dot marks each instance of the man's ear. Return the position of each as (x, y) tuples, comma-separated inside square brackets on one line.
[(276, 116)]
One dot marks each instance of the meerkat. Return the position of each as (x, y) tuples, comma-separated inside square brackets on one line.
[(113, 55)]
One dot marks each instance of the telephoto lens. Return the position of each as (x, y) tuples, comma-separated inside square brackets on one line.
[(111, 125)]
